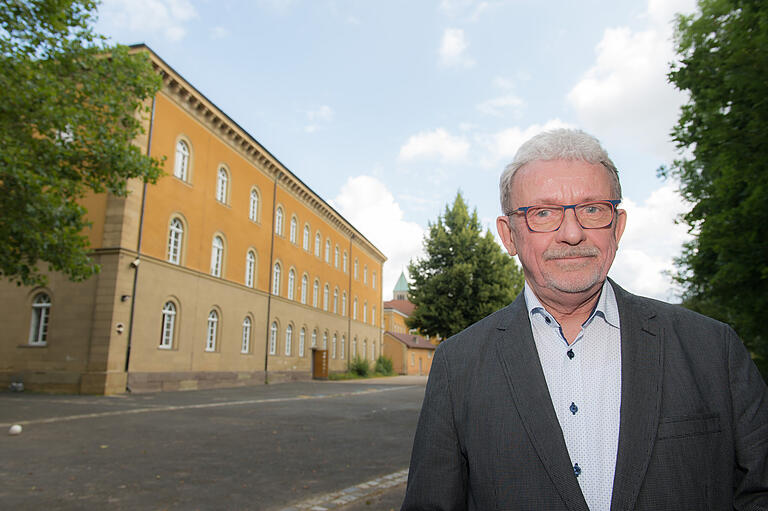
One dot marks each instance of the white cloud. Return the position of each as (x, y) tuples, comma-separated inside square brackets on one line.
[(167, 17), (219, 33), (370, 206), (318, 116), (453, 48), (625, 96), (500, 147), (501, 105), (469, 9), (437, 144), (651, 241)]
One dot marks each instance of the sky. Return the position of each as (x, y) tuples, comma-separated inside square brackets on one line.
[(388, 109)]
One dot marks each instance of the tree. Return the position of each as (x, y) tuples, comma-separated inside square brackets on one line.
[(723, 170), (71, 108), (464, 277)]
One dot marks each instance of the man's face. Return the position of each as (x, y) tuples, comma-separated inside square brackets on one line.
[(571, 263)]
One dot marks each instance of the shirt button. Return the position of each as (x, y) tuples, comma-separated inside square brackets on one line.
[(573, 408), (547, 320), (577, 469), (570, 354)]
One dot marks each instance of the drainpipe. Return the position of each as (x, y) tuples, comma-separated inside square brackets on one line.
[(135, 264), (271, 276), (349, 299)]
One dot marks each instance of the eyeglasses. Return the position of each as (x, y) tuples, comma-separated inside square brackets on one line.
[(549, 217)]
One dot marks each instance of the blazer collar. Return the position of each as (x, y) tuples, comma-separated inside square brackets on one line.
[(522, 368), (641, 380)]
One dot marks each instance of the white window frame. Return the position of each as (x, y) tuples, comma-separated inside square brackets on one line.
[(304, 286), (181, 165), (354, 309), (276, 270), (217, 256), (328, 251), (273, 338), (365, 312), (168, 325), (245, 346), (333, 346), (354, 274), (365, 349), (318, 243), (336, 301), (344, 303), (211, 332), (222, 181), (373, 280), (344, 261), (315, 293), (325, 341), (250, 268), (373, 315), (305, 241), (293, 229), (279, 221), (291, 283), (253, 206), (343, 345), (326, 296), (314, 338), (175, 239), (336, 256), (288, 340), (41, 313), (365, 274), (302, 339)]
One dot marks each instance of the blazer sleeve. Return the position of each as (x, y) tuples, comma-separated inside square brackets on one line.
[(437, 479), (749, 396)]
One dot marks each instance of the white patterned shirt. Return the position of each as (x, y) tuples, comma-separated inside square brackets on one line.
[(584, 381)]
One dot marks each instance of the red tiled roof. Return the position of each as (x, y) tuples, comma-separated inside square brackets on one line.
[(403, 306), (412, 341)]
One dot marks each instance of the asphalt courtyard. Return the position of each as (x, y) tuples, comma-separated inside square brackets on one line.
[(290, 446)]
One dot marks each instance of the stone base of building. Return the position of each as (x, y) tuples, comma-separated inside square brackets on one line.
[(66, 382)]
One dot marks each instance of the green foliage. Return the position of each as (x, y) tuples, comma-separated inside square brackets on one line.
[(384, 366), (359, 366), (72, 107), (464, 277), (723, 169)]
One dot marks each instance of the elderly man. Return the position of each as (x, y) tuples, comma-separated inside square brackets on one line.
[(580, 395)]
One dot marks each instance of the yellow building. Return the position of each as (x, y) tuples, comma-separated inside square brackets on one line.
[(410, 352), (228, 271)]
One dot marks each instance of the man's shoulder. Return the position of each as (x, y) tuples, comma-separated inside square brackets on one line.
[(484, 331)]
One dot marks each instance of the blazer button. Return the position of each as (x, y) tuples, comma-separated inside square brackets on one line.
[(577, 469), (570, 354), (573, 408)]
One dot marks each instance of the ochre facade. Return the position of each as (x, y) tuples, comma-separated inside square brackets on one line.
[(195, 271)]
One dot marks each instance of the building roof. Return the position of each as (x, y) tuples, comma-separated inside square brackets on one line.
[(402, 284), (403, 306), (412, 341)]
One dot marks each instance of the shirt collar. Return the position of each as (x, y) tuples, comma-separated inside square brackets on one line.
[(606, 306)]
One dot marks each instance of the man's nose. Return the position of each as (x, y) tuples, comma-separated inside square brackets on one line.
[(571, 231)]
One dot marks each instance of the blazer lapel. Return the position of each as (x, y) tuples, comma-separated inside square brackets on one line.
[(522, 368), (641, 380)]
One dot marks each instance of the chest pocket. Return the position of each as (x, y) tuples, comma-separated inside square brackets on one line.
[(688, 426)]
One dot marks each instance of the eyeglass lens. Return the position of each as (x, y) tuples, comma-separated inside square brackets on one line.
[(591, 215)]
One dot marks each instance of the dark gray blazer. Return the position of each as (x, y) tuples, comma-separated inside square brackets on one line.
[(694, 419)]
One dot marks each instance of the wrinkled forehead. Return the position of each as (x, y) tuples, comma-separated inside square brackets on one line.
[(556, 181)]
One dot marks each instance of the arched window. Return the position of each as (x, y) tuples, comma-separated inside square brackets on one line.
[(373, 280), (211, 333), (276, 280), (304, 285), (365, 349), (365, 274), (250, 268), (373, 350), (344, 303), (305, 241), (169, 320), (294, 229), (333, 346), (336, 256), (302, 337), (217, 256), (181, 165), (279, 221), (325, 340), (222, 181), (365, 312), (354, 309), (246, 344), (325, 297), (315, 293), (353, 348), (317, 244), (288, 336), (41, 311), (373, 315), (354, 271), (314, 339), (291, 283), (327, 251), (175, 238), (335, 301), (343, 342), (273, 338), (253, 208), (344, 262)]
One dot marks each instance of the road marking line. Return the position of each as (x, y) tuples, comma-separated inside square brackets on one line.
[(346, 496), (173, 408)]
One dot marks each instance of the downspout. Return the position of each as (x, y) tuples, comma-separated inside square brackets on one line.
[(135, 264), (349, 301), (271, 276)]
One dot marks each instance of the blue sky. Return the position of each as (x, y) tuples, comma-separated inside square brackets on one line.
[(387, 109)]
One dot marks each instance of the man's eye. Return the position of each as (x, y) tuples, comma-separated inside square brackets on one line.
[(543, 213)]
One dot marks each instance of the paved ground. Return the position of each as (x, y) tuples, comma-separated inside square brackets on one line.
[(334, 445)]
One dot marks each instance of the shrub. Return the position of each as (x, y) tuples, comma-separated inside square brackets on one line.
[(359, 366), (384, 366)]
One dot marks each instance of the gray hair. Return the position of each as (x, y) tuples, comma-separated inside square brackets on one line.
[(558, 144)]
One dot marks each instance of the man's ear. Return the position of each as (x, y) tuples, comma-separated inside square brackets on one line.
[(621, 223), (504, 227)]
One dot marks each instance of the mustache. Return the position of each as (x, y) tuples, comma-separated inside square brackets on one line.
[(565, 252)]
